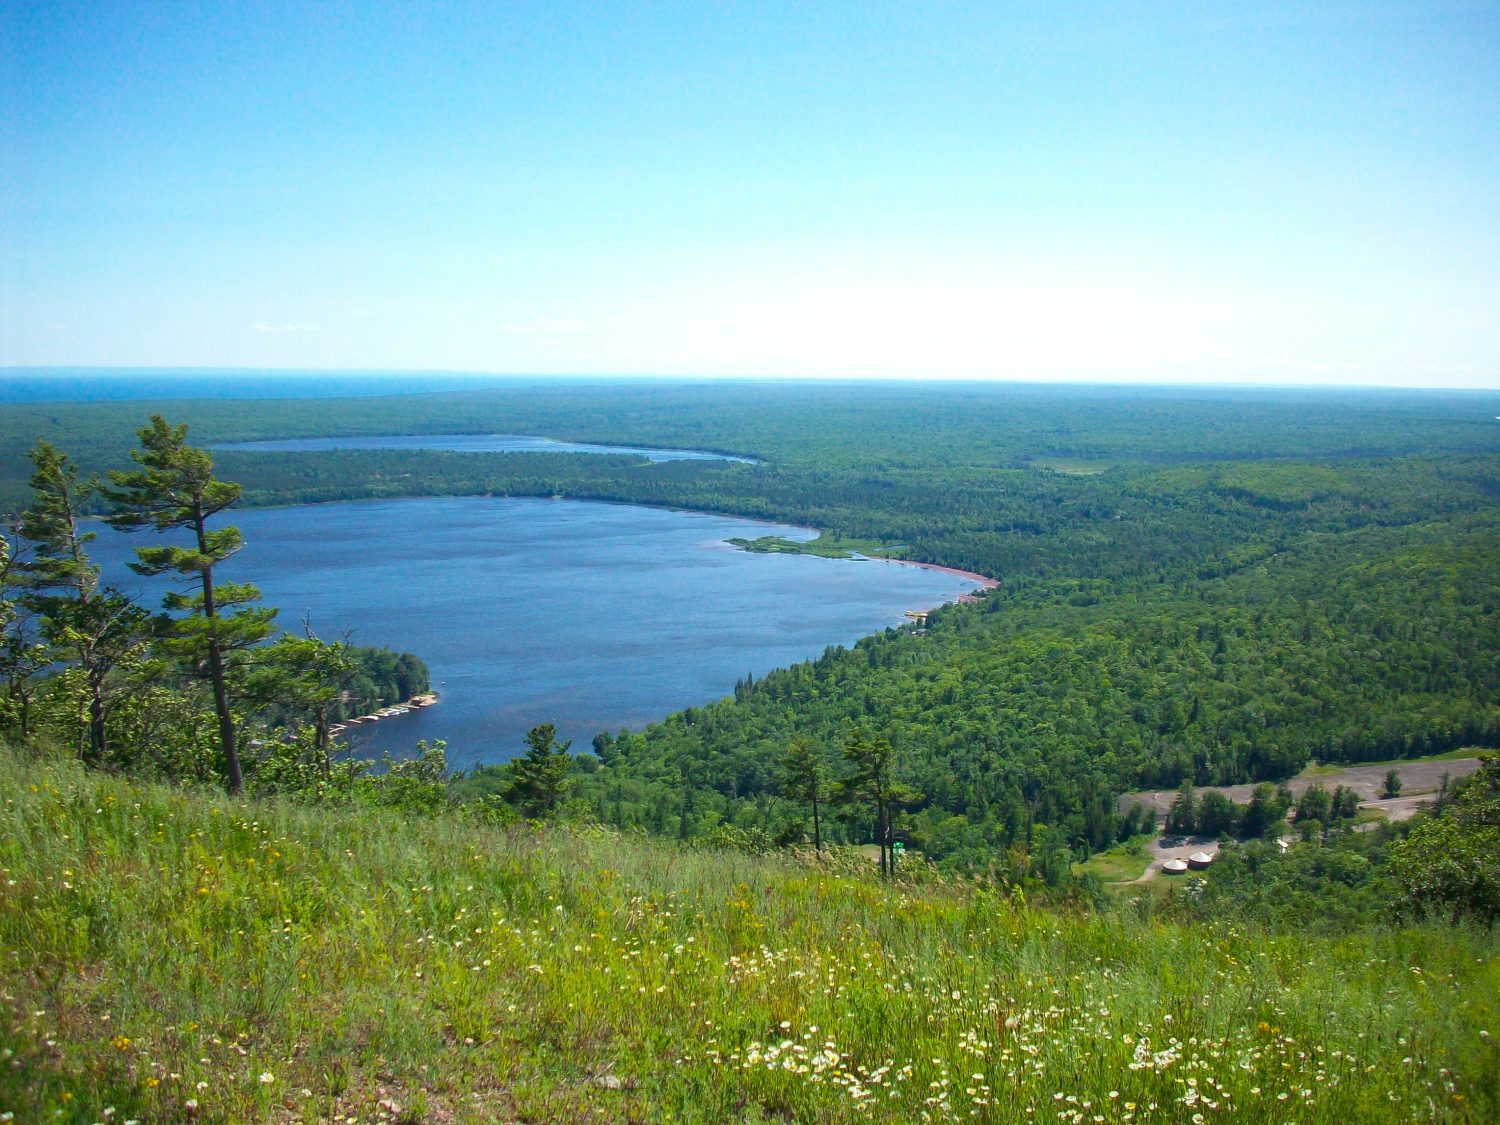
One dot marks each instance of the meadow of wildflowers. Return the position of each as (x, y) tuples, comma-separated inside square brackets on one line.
[(171, 956)]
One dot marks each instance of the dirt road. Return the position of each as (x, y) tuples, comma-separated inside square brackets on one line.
[(1419, 781)]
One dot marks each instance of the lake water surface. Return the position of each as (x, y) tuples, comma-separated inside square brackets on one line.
[(471, 443), (589, 616)]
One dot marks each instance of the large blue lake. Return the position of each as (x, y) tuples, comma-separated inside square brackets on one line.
[(589, 616)]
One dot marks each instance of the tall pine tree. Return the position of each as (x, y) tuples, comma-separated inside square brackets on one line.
[(175, 489), (872, 781), (805, 778)]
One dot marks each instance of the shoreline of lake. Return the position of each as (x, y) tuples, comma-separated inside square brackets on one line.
[(984, 580), (592, 615), (419, 702)]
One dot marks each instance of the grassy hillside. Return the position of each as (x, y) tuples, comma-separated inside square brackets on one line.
[(167, 956)]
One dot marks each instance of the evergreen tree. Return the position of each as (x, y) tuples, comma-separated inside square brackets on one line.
[(175, 488), (94, 629), (1392, 785), (1345, 803), (1264, 810), (1217, 814), (22, 656), (1182, 817), (872, 781), (50, 524), (540, 778), (806, 778)]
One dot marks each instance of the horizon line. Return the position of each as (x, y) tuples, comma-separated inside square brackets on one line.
[(64, 371)]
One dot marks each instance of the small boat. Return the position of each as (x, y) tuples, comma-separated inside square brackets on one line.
[(1175, 866)]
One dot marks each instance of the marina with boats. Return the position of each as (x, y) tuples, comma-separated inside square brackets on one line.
[(415, 703)]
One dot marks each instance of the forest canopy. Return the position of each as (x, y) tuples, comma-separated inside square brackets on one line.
[(1203, 586)]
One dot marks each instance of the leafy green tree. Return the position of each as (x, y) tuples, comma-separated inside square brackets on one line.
[(1138, 819), (1450, 863), (174, 488), (418, 784), (806, 778), (98, 634), (540, 778), (307, 678), (156, 722), (1314, 806), (1217, 814), (1392, 788)]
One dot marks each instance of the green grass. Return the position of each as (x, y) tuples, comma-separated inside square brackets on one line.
[(274, 963), (1329, 768), (1071, 466), (827, 545), (1122, 863)]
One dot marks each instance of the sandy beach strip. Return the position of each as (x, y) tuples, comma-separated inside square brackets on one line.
[(984, 581)]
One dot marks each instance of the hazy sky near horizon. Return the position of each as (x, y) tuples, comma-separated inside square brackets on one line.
[(1169, 192)]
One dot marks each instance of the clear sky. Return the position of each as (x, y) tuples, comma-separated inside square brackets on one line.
[(1193, 191)]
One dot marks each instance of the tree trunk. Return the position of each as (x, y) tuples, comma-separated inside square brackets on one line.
[(320, 741), (216, 672), (817, 830), (226, 720), (96, 718)]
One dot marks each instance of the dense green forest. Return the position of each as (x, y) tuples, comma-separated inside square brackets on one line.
[(1205, 585)]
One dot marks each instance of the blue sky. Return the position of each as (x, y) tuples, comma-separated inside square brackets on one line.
[(1188, 192)]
